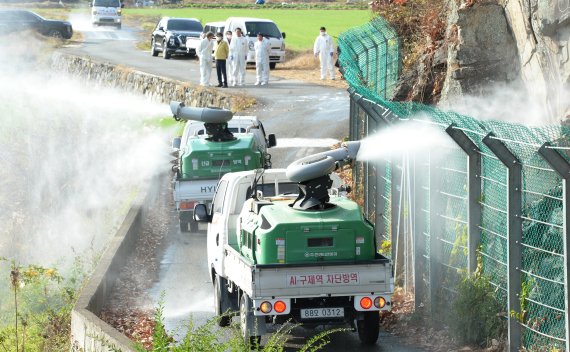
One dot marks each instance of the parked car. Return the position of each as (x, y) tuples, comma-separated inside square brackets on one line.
[(170, 35), (106, 12), (15, 20)]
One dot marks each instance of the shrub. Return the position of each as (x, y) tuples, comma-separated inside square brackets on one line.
[(475, 312)]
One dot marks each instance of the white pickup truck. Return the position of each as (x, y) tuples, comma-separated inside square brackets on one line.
[(271, 262), (201, 162)]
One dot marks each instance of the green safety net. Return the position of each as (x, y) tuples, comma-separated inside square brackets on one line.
[(370, 62)]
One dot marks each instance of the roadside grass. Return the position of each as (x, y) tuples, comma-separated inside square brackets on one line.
[(209, 337), (300, 26)]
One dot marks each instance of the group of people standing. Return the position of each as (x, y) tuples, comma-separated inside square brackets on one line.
[(230, 55)]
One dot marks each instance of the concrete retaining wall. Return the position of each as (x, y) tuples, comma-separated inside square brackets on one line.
[(157, 88), (88, 332)]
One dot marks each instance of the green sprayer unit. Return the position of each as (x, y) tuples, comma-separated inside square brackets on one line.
[(213, 143), (286, 245)]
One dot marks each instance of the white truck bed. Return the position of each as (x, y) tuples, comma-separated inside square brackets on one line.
[(198, 190), (307, 280)]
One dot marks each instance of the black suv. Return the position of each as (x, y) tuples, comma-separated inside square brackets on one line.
[(169, 36), (12, 20)]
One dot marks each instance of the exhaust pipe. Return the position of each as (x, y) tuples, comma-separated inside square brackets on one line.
[(206, 115)]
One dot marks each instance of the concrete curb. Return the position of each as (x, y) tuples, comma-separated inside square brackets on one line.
[(88, 331)]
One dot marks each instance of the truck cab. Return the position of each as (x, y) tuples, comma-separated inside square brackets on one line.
[(106, 12)]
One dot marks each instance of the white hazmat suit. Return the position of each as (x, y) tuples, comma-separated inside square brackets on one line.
[(262, 50), (205, 56), (238, 56), (324, 48)]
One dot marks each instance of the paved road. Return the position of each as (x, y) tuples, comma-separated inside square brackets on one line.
[(305, 117)]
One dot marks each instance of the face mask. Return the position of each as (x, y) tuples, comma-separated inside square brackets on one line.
[(219, 39), (228, 37), (323, 33)]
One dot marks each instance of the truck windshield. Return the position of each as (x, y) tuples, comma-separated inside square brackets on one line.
[(107, 3), (268, 189), (184, 25), (269, 29)]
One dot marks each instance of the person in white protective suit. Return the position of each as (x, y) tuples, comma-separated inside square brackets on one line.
[(324, 49), (238, 58), (262, 50), (205, 56)]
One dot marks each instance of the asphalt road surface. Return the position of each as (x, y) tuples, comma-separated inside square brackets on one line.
[(306, 118)]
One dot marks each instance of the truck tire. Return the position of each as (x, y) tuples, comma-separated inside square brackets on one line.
[(221, 297), (272, 65), (183, 226), (193, 226), (153, 51), (165, 53), (369, 328), (246, 320)]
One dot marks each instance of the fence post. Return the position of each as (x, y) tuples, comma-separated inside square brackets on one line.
[(419, 226), (396, 176), (514, 234), (434, 228), (562, 167), (474, 193)]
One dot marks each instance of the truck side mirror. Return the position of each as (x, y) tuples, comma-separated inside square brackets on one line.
[(176, 143), (271, 140), (122, 5), (201, 213), (283, 34)]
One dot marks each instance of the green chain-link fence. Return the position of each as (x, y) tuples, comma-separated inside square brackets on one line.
[(445, 233)]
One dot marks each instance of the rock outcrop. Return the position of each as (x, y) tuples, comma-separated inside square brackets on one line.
[(514, 42)]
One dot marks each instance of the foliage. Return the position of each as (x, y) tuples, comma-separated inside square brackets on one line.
[(39, 316), (475, 317), (208, 338), (415, 21), (386, 247)]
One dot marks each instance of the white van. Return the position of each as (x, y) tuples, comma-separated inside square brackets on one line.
[(215, 27), (106, 12), (250, 27)]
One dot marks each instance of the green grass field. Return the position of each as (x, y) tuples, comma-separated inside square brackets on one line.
[(301, 26)]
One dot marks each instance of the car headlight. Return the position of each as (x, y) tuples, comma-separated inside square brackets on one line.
[(119, 12), (282, 46), (251, 46)]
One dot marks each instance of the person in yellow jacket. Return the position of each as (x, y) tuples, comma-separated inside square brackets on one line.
[(221, 51)]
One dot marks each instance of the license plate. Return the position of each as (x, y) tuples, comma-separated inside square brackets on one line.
[(319, 313)]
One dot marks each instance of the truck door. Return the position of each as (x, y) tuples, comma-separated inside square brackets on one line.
[(217, 228)]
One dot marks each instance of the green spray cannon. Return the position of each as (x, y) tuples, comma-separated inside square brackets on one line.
[(312, 174), (214, 150), (314, 226)]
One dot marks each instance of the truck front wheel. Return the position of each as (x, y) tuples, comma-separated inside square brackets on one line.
[(369, 328), (220, 301), (246, 320)]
